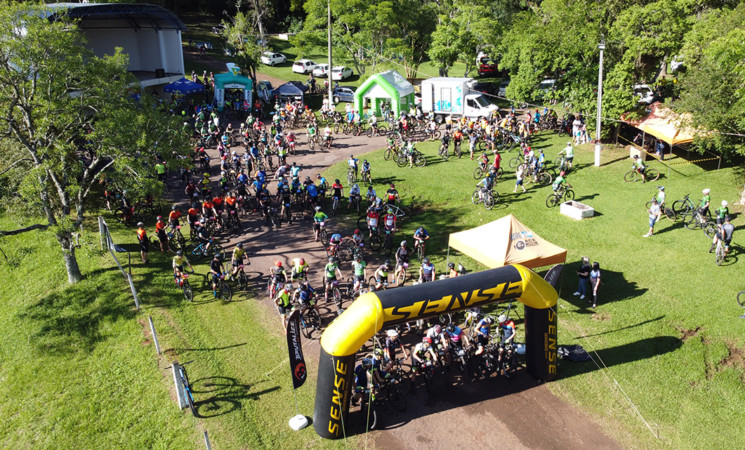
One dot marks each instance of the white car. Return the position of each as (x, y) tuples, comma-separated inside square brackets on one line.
[(321, 71), (303, 66), (272, 59), (339, 73), (644, 93)]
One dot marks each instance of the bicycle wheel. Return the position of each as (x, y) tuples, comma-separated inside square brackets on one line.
[(226, 292), (690, 221), (652, 174), (312, 144), (350, 177), (420, 160), (544, 178), (444, 154), (568, 195), (375, 242), (401, 277), (478, 173), (670, 214), (402, 381), (402, 160), (680, 207), (489, 202), (336, 128), (242, 281), (516, 161), (305, 327), (314, 319), (630, 176), (337, 297), (710, 229), (387, 154), (437, 134), (188, 293), (187, 392), (396, 399), (476, 198), (719, 255), (552, 201), (371, 416)]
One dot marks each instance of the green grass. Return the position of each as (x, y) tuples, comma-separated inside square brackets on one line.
[(80, 370), (654, 289)]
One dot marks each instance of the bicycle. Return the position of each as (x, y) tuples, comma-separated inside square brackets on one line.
[(489, 198), (564, 192), (201, 251), (419, 250), (667, 212), (634, 174), (443, 152), (401, 273), (323, 234), (183, 283), (684, 206), (379, 130), (242, 278), (310, 320), (335, 206), (482, 170), (223, 288), (185, 386), (176, 240), (694, 219), (720, 254), (335, 293)]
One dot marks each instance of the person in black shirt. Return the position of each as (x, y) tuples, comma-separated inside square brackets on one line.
[(216, 270), (402, 259)]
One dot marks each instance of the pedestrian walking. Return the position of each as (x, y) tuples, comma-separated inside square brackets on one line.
[(584, 277), (654, 215), (595, 282)]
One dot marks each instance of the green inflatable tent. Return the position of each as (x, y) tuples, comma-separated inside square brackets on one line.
[(390, 87)]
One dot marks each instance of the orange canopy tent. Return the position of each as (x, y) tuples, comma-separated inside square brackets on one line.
[(665, 125), (507, 241)]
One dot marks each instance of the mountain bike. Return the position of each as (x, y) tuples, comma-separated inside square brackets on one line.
[(223, 288), (336, 293), (482, 170), (488, 198), (176, 240), (183, 283), (201, 250), (443, 152), (719, 253), (560, 195), (667, 212), (309, 320), (351, 176), (694, 219), (185, 386), (506, 361), (632, 175), (334, 206), (681, 207), (242, 278), (401, 273)]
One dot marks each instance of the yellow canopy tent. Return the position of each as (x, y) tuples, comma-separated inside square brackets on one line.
[(664, 124), (507, 241)]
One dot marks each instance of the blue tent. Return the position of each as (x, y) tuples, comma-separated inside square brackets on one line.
[(184, 86)]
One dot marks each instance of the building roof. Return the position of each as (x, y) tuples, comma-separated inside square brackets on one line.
[(136, 15)]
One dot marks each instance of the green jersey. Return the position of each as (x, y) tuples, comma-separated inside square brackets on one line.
[(569, 151), (320, 216), (331, 270), (722, 212), (661, 198), (359, 267), (705, 200), (559, 181), (311, 131), (284, 298)]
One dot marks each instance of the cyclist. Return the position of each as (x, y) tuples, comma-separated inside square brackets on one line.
[(392, 344), (178, 265), (373, 121), (392, 194), (483, 328), (306, 296), (327, 135), (236, 260), (353, 164), (457, 138), (319, 218), (456, 336), (559, 182), (705, 202), (371, 195), (361, 381), (311, 131), (402, 259), (366, 171), (372, 219), (452, 272), (661, 197), (282, 300), (640, 167), (381, 275), (160, 231), (338, 191), (278, 275), (445, 143), (426, 271), (144, 241), (721, 212), (334, 243), (568, 153), (507, 327), (421, 351), (354, 194), (173, 217), (420, 235), (724, 233), (330, 273), (487, 184), (300, 270), (216, 270), (322, 185), (360, 272)]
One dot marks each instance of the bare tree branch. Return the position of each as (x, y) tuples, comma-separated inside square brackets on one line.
[(23, 230)]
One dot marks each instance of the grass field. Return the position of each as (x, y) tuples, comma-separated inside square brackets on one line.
[(666, 329), (80, 370)]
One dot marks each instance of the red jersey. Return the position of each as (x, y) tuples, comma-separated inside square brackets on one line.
[(174, 215), (141, 234)]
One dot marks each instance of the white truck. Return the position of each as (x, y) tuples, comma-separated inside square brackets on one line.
[(455, 97)]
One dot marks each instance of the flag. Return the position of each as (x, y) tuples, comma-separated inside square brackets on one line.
[(297, 362)]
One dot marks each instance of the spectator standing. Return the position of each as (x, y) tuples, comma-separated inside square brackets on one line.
[(595, 282), (584, 275), (654, 215)]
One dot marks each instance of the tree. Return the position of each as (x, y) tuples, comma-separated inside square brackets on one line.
[(70, 117), (240, 34)]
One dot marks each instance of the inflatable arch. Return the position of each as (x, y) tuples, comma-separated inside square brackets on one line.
[(375, 311)]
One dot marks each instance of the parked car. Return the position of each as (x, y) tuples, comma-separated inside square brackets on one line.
[(644, 93), (265, 91), (272, 59), (487, 67), (676, 63), (545, 87), (321, 71), (303, 66), (344, 94), (502, 92), (339, 73)]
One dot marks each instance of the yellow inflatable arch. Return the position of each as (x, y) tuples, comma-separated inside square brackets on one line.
[(375, 311)]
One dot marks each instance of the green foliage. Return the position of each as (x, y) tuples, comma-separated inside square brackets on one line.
[(241, 36)]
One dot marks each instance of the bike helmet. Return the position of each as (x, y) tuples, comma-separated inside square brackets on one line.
[(391, 333), (636, 156), (206, 175), (378, 351), (179, 253), (483, 154), (140, 224), (438, 329), (662, 188), (174, 208), (561, 173), (318, 176), (502, 318), (159, 218), (393, 185), (427, 340), (278, 263), (569, 143), (331, 259), (337, 181), (318, 208), (390, 210), (302, 261), (387, 262), (451, 266), (358, 257), (366, 363), (706, 191), (365, 161), (351, 156), (425, 260), (288, 286), (240, 245), (724, 203), (489, 319), (357, 231), (450, 328), (403, 243)]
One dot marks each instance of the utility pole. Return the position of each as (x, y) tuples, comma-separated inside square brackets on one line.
[(601, 47), (328, 75)]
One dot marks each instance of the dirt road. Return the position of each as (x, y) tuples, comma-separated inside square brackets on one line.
[(517, 413)]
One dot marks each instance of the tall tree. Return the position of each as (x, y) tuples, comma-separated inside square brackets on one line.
[(70, 116), (243, 33)]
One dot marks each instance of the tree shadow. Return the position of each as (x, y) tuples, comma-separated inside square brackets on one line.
[(74, 319), (656, 319)]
